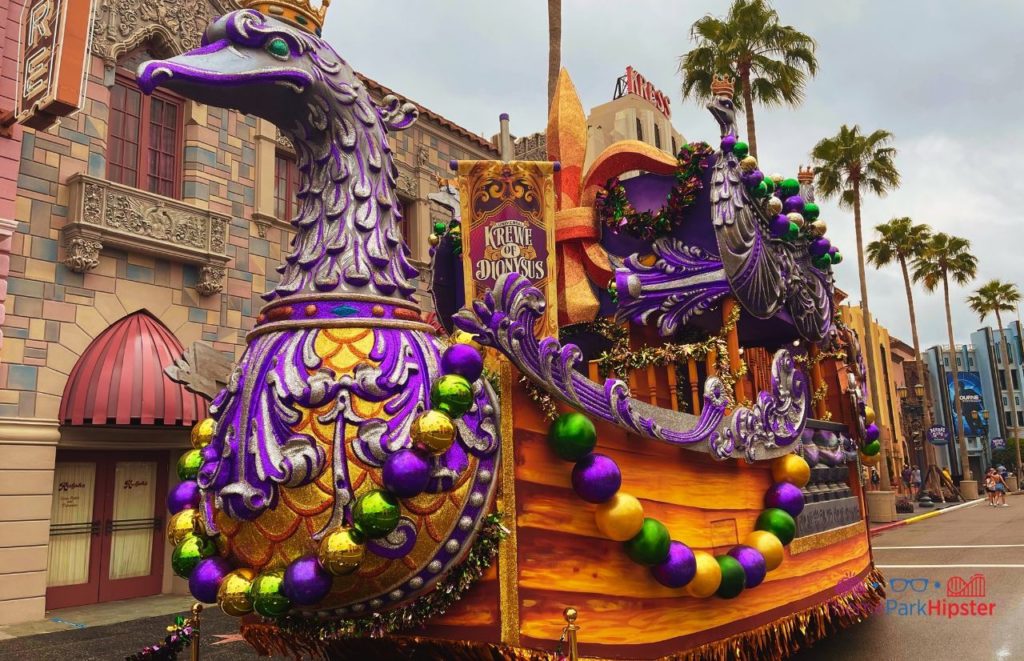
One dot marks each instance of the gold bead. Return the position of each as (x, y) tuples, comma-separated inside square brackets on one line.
[(774, 205), (869, 415), (777, 177), (233, 594), (462, 337), (202, 433), (748, 164), (795, 217), (818, 228), (340, 553), (433, 239), (181, 525), (433, 430)]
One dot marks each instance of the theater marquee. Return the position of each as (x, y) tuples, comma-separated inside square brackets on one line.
[(53, 53)]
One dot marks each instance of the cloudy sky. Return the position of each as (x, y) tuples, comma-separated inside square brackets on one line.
[(942, 75)]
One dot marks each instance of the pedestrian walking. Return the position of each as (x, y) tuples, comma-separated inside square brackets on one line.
[(1000, 488), (915, 481), (875, 479), (905, 477), (990, 486)]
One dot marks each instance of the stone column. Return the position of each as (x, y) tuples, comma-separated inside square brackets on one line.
[(264, 212), (29, 449)]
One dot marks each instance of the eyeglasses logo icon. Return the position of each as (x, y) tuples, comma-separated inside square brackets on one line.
[(903, 584)]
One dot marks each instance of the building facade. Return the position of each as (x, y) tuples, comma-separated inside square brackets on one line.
[(888, 378), (637, 111), (977, 399), (988, 345), (145, 225)]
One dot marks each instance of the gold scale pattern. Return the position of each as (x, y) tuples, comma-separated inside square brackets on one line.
[(285, 533)]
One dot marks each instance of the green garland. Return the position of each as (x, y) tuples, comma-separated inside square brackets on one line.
[(179, 636), (616, 212), (435, 603)]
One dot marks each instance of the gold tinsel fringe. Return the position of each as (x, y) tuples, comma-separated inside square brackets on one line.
[(776, 640)]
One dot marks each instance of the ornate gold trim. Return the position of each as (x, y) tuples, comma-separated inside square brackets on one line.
[(362, 298), (358, 322), (508, 550), (828, 538)]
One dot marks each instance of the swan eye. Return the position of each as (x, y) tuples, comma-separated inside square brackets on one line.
[(278, 47)]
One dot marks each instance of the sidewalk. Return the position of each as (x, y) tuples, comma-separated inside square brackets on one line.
[(95, 615)]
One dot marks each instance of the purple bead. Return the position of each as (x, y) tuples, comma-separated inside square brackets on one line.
[(678, 568), (832, 251), (785, 496), (793, 203), (464, 360), (820, 247), (753, 564), (406, 473), (183, 497), (596, 478), (811, 454), (752, 179), (871, 433), (779, 226), (728, 142), (205, 579), (306, 582)]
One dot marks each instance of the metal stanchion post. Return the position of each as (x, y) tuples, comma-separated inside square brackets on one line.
[(571, 629), (197, 608)]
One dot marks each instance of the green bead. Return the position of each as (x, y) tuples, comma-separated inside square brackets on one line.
[(872, 448), (188, 465), (761, 190), (278, 47), (650, 545), (376, 513), (733, 577), (811, 211), (439, 228), (267, 596), (836, 257), (572, 436), (189, 552), (822, 262), (741, 150), (779, 523), (451, 394), (770, 185), (789, 187), (793, 233)]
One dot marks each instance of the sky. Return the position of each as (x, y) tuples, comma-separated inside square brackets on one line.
[(941, 75)]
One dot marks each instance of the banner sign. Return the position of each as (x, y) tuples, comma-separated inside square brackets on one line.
[(54, 45), (998, 444), (971, 404), (938, 435), (508, 225)]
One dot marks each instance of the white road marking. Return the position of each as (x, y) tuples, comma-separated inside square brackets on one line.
[(951, 546), (973, 566)]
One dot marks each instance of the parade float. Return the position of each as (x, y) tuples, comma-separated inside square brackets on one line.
[(641, 409)]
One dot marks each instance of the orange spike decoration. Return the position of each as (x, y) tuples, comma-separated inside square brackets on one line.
[(583, 264)]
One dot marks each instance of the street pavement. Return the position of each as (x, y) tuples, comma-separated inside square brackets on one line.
[(975, 551), (954, 584)]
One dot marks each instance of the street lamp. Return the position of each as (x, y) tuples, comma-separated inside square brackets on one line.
[(913, 429)]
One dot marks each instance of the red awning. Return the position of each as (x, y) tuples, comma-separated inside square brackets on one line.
[(120, 379)]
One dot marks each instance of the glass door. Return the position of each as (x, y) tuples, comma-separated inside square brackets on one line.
[(106, 527), (74, 551), (133, 528)]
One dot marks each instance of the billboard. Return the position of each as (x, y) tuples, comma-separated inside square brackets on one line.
[(971, 404)]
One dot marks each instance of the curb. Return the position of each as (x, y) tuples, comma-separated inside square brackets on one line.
[(920, 517)]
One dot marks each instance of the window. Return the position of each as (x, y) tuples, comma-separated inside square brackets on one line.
[(408, 208), (1016, 383), (144, 145), (286, 186), (1002, 380), (657, 136), (674, 149), (639, 130), (1020, 418)]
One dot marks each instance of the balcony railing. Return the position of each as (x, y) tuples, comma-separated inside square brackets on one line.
[(105, 214)]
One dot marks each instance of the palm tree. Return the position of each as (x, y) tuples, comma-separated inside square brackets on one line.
[(997, 297), (849, 165), (901, 241), (949, 257), (769, 61), (554, 46)]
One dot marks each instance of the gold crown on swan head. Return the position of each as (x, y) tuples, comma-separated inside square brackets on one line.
[(721, 86), (306, 14)]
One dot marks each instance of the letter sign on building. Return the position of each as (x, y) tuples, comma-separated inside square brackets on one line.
[(638, 85), (54, 55)]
